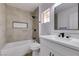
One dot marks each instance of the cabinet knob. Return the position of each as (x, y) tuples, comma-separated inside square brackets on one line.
[(52, 54)]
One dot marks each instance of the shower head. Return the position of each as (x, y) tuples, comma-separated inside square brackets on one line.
[(33, 17)]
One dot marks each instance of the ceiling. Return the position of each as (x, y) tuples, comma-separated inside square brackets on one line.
[(25, 6)]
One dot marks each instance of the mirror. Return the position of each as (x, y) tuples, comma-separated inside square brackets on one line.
[(66, 16)]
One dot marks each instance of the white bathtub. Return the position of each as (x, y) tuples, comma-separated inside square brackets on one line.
[(19, 48)]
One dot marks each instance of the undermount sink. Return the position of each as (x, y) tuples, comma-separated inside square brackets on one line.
[(59, 38), (64, 39)]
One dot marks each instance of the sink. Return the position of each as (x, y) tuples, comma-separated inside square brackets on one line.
[(35, 46), (55, 37), (64, 39)]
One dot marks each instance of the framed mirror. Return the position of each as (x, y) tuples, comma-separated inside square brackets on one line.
[(20, 25), (66, 16)]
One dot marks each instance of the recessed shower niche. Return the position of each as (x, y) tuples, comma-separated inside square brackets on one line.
[(20, 25)]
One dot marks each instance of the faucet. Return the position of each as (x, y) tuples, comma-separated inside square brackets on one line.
[(68, 36), (64, 35), (61, 35)]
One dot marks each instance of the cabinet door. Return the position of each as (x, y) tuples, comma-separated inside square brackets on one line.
[(44, 51), (54, 53), (47, 50), (57, 53)]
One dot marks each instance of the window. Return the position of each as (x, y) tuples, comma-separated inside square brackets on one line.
[(45, 16)]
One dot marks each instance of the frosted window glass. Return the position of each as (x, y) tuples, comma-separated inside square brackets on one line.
[(45, 16)]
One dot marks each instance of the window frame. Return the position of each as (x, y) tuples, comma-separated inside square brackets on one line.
[(43, 20)]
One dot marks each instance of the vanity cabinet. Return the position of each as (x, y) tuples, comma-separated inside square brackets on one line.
[(46, 50), (50, 48)]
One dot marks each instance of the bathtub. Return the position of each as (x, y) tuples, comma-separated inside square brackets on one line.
[(18, 48)]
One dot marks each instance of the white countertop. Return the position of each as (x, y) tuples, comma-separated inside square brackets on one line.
[(71, 43)]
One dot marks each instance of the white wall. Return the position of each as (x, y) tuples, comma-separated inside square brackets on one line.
[(15, 14), (45, 28), (2, 25)]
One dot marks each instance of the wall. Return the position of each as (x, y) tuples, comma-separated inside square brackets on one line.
[(2, 25), (15, 14), (35, 24), (46, 28)]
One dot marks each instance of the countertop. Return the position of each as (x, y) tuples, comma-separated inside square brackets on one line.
[(72, 43)]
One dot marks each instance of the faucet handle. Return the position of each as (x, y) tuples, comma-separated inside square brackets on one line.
[(59, 35), (68, 36)]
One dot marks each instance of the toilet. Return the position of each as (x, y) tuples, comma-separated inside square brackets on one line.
[(35, 49)]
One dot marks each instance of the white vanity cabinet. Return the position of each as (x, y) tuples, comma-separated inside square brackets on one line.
[(47, 50), (50, 48)]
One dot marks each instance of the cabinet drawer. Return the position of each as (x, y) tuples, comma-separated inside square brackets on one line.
[(61, 48)]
